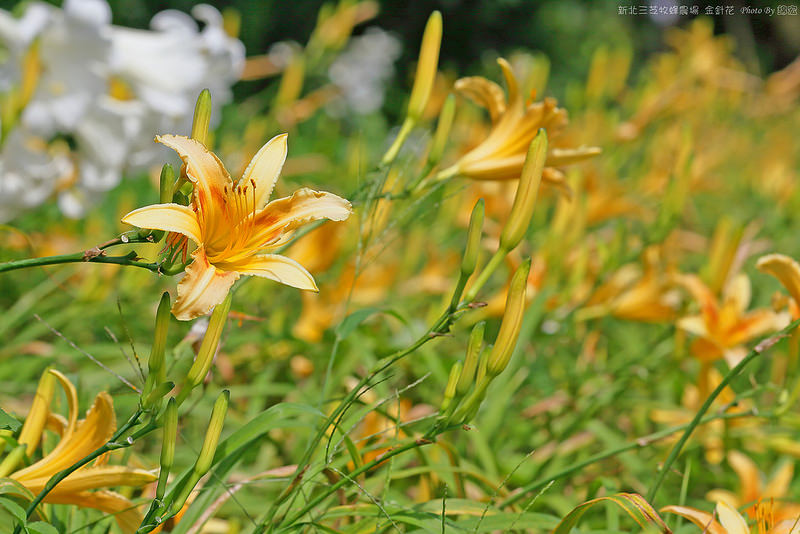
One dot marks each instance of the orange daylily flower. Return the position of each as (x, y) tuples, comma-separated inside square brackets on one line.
[(730, 521), (787, 271), (752, 488), (79, 439), (232, 222), (514, 125), (722, 327)]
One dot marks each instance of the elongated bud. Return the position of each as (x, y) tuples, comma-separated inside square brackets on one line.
[(206, 457), (443, 130), (156, 370), (527, 190), (450, 388), (205, 356), (218, 413), (470, 259), (291, 85), (155, 364), (202, 117), (467, 377), (426, 66), (482, 363), (512, 322), (167, 446), (32, 429), (166, 183)]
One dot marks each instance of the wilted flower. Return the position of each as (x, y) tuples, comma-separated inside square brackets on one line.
[(233, 221), (79, 439)]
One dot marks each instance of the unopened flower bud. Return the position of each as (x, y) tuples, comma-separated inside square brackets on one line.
[(167, 446), (207, 452), (470, 259), (426, 66), (202, 117), (450, 388), (208, 348), (443, 127), (483, 361), (512, 322), (527, 191), (166, 184), (467, 377), (156, 370)]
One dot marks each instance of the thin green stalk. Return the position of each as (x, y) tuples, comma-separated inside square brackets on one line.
[(636, 444), (676, 449), (78, 257), (441, 325), (111, 444), (486, 273)]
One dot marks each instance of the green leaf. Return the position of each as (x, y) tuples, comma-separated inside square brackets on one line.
[(16, 510), (8, 422), (39, 527), (632, 503)]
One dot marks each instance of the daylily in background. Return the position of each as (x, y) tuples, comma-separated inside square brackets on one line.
[(787, 271), (232, 222), (754, 487), (729, 521), (514, 124), (78, 439)]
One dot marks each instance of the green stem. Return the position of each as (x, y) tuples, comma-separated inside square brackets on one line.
[(111, 444), (673, 455), (78, 257), (636, 444), (486, 273), (427, 439), (441, 326), (391, 154)]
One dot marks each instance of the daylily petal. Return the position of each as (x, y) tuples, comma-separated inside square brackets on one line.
[(511, 82), (558, 157), (747, 471), (265, 168), (124, 511), (778, 486), (275, 267), (731, 520), (286, 214), (483, 92), (94, 478), (785, 269), (787, 526), (35, 422), (738, 293), (702, 519), (167, 217), (694, 325), (203, 168), (203, 287), (90, 434)]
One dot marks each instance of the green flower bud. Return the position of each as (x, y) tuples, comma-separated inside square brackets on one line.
[(427, 65), (467, 377), (527, 191), (167, 446), (202, 117), (205, 356), (512, 322), (470, 259), (442, 130), (450, 388)]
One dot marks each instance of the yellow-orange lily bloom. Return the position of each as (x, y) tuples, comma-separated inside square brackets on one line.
[(753, 489), (723, 326), (232, 222), (514, 125), (787, 271), (78, 440), (730, 521)]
